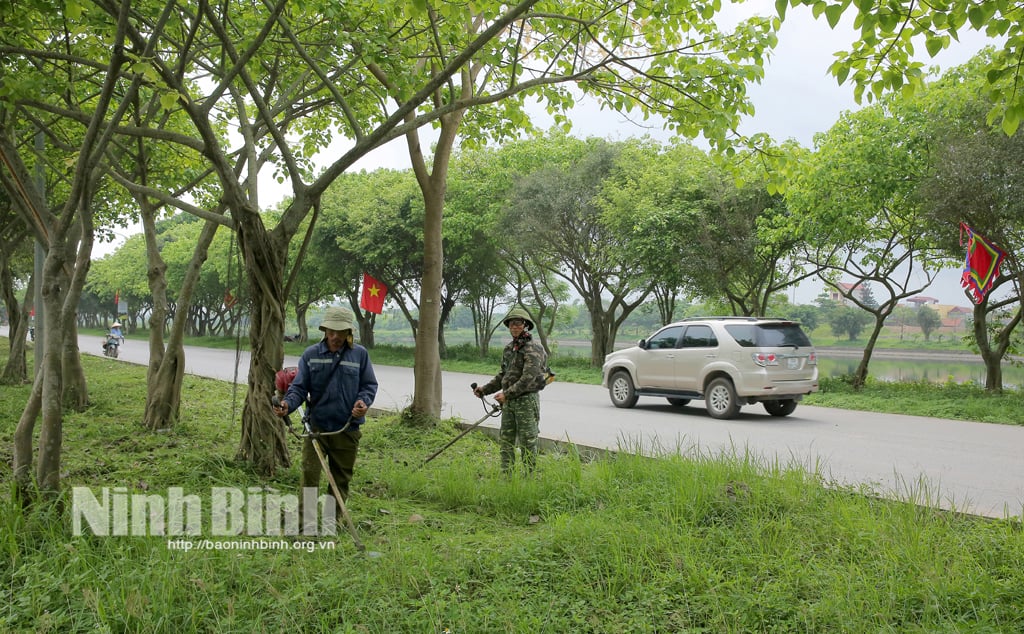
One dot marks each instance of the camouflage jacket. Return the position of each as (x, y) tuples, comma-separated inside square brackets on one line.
[(522, 369)]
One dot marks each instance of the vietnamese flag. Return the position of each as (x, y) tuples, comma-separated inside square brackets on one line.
[(373, 294)]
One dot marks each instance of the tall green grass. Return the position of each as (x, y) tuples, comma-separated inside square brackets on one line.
[(956, 401), (707, 543)]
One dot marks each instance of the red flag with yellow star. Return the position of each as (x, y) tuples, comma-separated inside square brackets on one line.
[(373, 294)]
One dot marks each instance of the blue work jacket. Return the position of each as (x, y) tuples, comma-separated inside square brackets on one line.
[(333, 394)]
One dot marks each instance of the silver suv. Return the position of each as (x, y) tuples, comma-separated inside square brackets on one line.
[(725, 361)]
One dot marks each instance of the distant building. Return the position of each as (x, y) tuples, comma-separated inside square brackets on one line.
[(921, 300), (840, 295), (958, 317)]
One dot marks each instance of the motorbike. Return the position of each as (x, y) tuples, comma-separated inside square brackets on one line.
[(110, 346)]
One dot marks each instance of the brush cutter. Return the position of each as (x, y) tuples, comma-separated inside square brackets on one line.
[(314, 437), (494, 410)]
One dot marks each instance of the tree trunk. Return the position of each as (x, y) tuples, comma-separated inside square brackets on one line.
[(993, 375), (16, 370), (426, 400), (482, 314), (599, 344), (76, 388), (861, 376), (23, 458), (164, 382), (68, 248), (161, 406), (427, 365), (992, 357), (366, 321), (446, 308), (65, 293), (300, 317), (51, 370), (166, 374), (263, 441)]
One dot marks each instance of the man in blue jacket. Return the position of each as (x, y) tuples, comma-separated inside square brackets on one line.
[(336, 382)]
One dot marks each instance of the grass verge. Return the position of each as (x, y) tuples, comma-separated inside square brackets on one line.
[(713, 543)]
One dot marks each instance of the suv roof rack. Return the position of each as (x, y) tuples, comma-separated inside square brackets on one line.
[(736, 317)]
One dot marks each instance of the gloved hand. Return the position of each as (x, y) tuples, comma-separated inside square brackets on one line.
[(281, 409)]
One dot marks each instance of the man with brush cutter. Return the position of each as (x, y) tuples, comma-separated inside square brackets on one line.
[(336, 381), (523, 374)]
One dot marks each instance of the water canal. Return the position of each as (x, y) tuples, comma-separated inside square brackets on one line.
[(908, 365)]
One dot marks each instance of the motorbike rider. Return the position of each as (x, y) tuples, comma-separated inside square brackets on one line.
[(115, 331), (113, 339)]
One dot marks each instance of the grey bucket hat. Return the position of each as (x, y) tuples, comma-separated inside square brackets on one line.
[(337, 318)]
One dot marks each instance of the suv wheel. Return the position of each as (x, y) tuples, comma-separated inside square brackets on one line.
[(720, 398), (678, 402), (780, 408), (621, 390)]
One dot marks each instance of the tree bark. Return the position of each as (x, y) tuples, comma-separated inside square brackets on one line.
[(23, 457), (992, 352), (426, 401), (427, 365), (263, 441), (166, 373), (76, 388), (599, 345), (16, 370), (366, 321), (77, 248), (301, 310), (861, 376), (989, 354), (51, 375)]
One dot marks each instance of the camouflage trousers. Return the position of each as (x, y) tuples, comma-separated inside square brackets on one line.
[(520, 426)]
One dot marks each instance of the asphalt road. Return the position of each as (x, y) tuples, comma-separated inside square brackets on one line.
[(972, 467)]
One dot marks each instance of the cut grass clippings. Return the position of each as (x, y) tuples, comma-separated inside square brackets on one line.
[(720, 543)]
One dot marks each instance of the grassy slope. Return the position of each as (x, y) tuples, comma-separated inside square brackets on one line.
[(624, 544)]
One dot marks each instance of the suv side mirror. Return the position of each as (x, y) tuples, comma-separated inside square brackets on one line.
[(642, 344)]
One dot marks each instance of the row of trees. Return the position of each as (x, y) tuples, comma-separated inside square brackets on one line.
[(621, 224), (156, 106), (116, 111)]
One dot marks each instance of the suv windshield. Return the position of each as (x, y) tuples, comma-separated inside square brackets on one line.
[(768, 335)]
